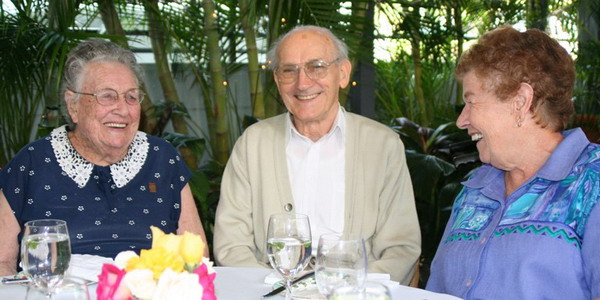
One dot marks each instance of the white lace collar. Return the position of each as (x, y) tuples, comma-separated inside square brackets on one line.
[(80, 170)]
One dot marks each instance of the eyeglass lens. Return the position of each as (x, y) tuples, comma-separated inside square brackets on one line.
[(110, 96), (314, 69)]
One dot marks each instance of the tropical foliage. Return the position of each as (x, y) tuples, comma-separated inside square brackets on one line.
[(438, 160), (587, 88)]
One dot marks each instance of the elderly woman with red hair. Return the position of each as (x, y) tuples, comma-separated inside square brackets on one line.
[(526, 224)]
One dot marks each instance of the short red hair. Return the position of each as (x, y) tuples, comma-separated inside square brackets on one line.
[(504, 58)]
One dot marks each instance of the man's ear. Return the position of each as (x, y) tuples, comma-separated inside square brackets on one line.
[(72, 105), (345, 68)]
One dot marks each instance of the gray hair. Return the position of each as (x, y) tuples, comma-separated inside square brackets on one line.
[(340, 48), (93, 50)]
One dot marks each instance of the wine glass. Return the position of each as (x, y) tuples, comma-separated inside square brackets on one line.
[(341, 261), (288, 246), (45, 253), (370, 291)]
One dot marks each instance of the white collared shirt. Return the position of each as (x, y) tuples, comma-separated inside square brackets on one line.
[(317, 177)]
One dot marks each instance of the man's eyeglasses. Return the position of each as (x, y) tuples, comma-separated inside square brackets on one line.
[(314, 69), (109, 97)]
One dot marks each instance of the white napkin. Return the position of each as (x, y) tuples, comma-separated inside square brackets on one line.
[(87, 266), (273, 278), (382, 278)]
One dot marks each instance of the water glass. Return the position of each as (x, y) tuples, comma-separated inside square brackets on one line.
[(371, 291), (289, 246), (68, 289), (341, 261), (45, 253)]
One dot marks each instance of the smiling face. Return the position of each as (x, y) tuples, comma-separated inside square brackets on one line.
[(309, 100), (489, 121), (103, 133)]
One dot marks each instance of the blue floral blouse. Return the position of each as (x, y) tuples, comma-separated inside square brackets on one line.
[(107, 209), (540, 242)]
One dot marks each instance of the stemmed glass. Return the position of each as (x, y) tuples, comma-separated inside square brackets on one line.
[(45, 253), (288, 246), (341, 261)]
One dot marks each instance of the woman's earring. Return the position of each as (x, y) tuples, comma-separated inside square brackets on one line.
[(519, 123)]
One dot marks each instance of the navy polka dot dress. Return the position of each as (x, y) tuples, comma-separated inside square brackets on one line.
[(107, 209)]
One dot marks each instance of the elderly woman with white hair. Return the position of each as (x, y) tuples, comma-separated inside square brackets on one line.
[(107, 180)]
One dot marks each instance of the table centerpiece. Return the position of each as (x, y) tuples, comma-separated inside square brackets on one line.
[(174, 268)]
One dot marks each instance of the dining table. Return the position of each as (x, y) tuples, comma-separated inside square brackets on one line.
[(237, 283)]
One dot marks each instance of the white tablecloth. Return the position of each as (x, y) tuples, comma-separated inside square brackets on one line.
[(246, 283)]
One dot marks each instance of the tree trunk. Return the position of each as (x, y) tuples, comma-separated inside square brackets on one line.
[(254, 70), (58, 11), (220, 144), (158, 39), (537, 14), (110, 18), (359, 11), (272, 104), (111, 21), (459, 41), (415, 43), (362, 96)]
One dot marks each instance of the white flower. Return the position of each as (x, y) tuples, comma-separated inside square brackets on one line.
[(209, 265), (173, 285), (140, 282), (123, 257)]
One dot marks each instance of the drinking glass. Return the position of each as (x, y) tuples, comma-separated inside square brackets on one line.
[(288, 246), (45, 253), (69, 289), (371, 291), (341, 261)]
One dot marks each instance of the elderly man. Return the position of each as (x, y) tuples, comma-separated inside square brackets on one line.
[(346, 172)]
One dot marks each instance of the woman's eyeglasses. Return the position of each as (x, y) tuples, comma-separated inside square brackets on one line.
[(314, 69), (109, 97)]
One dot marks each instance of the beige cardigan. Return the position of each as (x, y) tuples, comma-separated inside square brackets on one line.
[(379, 198)]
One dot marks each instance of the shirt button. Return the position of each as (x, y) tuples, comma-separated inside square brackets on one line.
[(468, 283), (483, 240), (288, 207)]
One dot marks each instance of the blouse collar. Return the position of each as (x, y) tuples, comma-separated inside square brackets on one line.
[(80, 170)]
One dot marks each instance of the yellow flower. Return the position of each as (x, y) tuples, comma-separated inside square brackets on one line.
[(132, 263), (191, 248), (170, 242), (156, 260)]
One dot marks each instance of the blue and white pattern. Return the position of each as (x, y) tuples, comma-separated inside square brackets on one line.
[(546, 204), (107, 209)]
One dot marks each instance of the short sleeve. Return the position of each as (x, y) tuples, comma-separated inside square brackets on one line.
[(14, 179)]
